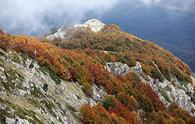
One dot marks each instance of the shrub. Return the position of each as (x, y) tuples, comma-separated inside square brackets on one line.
[(157, 75), (108, 102)]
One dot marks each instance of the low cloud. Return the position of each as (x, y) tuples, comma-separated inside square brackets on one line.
[(36, 16)]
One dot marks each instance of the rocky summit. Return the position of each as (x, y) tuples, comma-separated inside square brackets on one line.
[(94, 24), (92, 73)]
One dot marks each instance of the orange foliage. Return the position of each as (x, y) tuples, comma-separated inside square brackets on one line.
[(128, 93), (147, 91), (98, 115), (115, 106), (127, 48)]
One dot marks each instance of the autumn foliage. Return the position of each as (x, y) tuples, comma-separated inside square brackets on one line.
[(98, 115), (126, 48), (82, 59)]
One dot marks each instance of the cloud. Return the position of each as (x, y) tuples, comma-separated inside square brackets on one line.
[(149, 2), (38, 16), (185, 5), (35, 16)]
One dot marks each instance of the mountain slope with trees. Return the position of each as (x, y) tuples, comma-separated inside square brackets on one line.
[(134, 97)]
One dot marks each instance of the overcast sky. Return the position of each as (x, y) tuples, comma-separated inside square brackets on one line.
[(35, 15), (32, 16)]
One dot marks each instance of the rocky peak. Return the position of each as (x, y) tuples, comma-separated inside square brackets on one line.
[(94, 24)]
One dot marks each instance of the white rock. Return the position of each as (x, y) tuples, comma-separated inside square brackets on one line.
[(21, 121), (16, 120), (10, 120), (137, 68), (94, 24), (22, 92), (98, 93), (59, 34), (119, 68)]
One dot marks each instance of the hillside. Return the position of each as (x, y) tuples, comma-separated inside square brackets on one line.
[(175, 31), (128, 48), (101, 76)]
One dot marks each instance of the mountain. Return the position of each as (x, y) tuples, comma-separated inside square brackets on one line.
[(92, 73), (162, 23), (62, 33)]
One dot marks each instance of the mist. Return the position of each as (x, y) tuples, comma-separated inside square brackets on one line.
[(34, 17), (38, 16)]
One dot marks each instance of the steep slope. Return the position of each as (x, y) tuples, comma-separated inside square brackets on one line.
[(174, 31), (128, 47), (95, 77), (168, 75), (33, 94)]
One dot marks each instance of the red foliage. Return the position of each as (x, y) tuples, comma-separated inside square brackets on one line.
[(147, 91), (129, 94), (98, 115)]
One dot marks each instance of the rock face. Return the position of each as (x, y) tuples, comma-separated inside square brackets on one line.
[(174, 91), (181, 93), (98, 93), (29, 94), (94, 24), (61, 33), (119, 68), (16, 120)]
